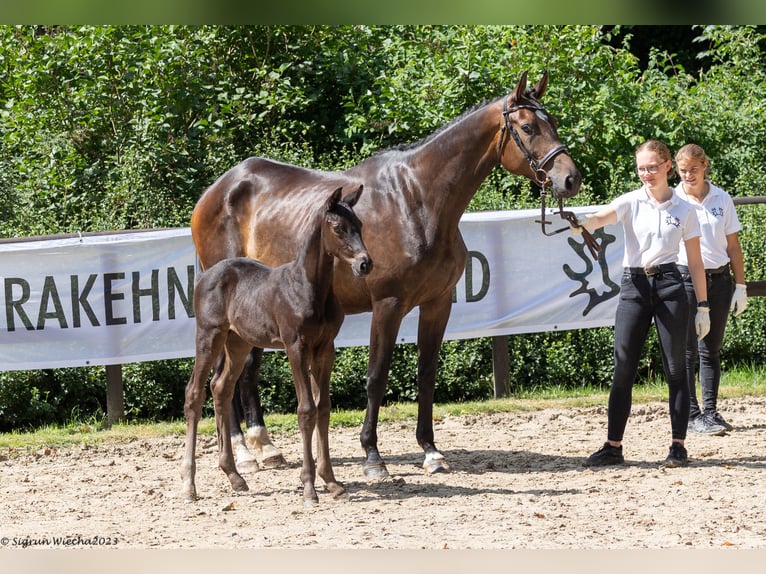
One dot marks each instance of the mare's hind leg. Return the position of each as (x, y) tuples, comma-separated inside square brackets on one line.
[(320, 374), (222, 387), (247, 405)]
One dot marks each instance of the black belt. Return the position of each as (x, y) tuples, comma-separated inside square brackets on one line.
[(717, 271), (652, 269)]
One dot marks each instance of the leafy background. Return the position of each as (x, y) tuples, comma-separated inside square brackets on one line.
[(122, 127)]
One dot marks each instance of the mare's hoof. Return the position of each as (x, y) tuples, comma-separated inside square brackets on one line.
[(189, 496), (274, 461), (248, 465), (375, 470), (310, 502), (435, 465)]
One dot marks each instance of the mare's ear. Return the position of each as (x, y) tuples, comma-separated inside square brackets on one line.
[(539, 88), (353, 197), (520, 88)]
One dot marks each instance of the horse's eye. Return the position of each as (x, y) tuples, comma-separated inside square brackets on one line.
[(337, 228), (527, 129)]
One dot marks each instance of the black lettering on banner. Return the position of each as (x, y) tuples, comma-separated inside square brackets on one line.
[(110, 297), (187, 298), (12, 304), (153, 292), (80, 299), (50, 294), (472, 296)]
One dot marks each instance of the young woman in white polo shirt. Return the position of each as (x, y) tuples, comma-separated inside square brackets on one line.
[(656, 222), (722, 257)]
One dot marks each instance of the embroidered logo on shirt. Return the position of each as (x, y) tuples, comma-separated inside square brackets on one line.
[(672, 220), (717, 211)]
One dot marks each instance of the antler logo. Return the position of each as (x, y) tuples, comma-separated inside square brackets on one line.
[(594, 296)]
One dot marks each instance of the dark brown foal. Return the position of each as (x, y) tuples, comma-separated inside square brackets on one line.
[(240, 304)]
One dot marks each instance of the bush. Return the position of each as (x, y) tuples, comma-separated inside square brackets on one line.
[(122, 127)]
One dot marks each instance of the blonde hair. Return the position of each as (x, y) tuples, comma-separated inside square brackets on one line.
[(692, 151), (657, 147)]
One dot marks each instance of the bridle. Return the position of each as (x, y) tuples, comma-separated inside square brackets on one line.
[(540, 174)]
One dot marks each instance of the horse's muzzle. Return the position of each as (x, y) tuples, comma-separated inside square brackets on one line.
[(362, 265)]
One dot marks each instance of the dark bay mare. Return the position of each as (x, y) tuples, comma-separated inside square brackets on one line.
[(414, 198), (241, 304)]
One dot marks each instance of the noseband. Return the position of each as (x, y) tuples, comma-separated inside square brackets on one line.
[(541, 175)]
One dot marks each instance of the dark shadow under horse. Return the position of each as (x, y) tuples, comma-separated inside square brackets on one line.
[(414, 198)]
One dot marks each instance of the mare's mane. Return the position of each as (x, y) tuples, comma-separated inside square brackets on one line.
[(425, 140)]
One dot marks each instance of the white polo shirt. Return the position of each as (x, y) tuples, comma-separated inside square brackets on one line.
[(717, 218), (654, 233)]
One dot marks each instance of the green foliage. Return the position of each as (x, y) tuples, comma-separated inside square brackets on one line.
[(122, 127)]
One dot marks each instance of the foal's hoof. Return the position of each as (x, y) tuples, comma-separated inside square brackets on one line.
[(433, 465), (238, 484), (375, 470), (336, 490)]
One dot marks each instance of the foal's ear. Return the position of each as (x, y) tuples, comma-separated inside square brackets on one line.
[(539, 88), (520, 88), (334, 199), (353, 197)]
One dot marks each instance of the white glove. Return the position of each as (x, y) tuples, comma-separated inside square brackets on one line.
[(738, 299), (702, 322), (581, 224)]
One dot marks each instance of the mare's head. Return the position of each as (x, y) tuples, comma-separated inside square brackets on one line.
[(343, 232), (529, 143)]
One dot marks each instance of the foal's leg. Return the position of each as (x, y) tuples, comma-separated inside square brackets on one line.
[(222, 387), (431, 326), (307, 419), (207, 345), (321, 368)]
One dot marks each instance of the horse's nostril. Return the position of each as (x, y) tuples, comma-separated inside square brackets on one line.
[(366, 265)]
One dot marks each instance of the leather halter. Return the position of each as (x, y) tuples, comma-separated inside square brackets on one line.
[(541, 175)]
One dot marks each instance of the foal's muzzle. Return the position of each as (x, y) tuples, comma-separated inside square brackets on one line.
[(362, 265)]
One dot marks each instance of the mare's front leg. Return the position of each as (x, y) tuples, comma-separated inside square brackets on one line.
[(247, 404), (222, 387), (386, 320), (321, 368), (307, 410), (431, 326)]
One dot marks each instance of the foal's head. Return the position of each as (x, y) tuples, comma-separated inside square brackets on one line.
[(342, 235)]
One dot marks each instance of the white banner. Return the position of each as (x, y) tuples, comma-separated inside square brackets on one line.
[(126, 297)]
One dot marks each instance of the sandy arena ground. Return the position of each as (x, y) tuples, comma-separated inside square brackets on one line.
[(517, 482)]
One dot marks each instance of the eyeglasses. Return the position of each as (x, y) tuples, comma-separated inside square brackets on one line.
[(693, 171), (650, 169)]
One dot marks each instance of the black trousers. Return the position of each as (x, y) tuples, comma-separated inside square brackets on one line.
[(705, 356), (660, 298)]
